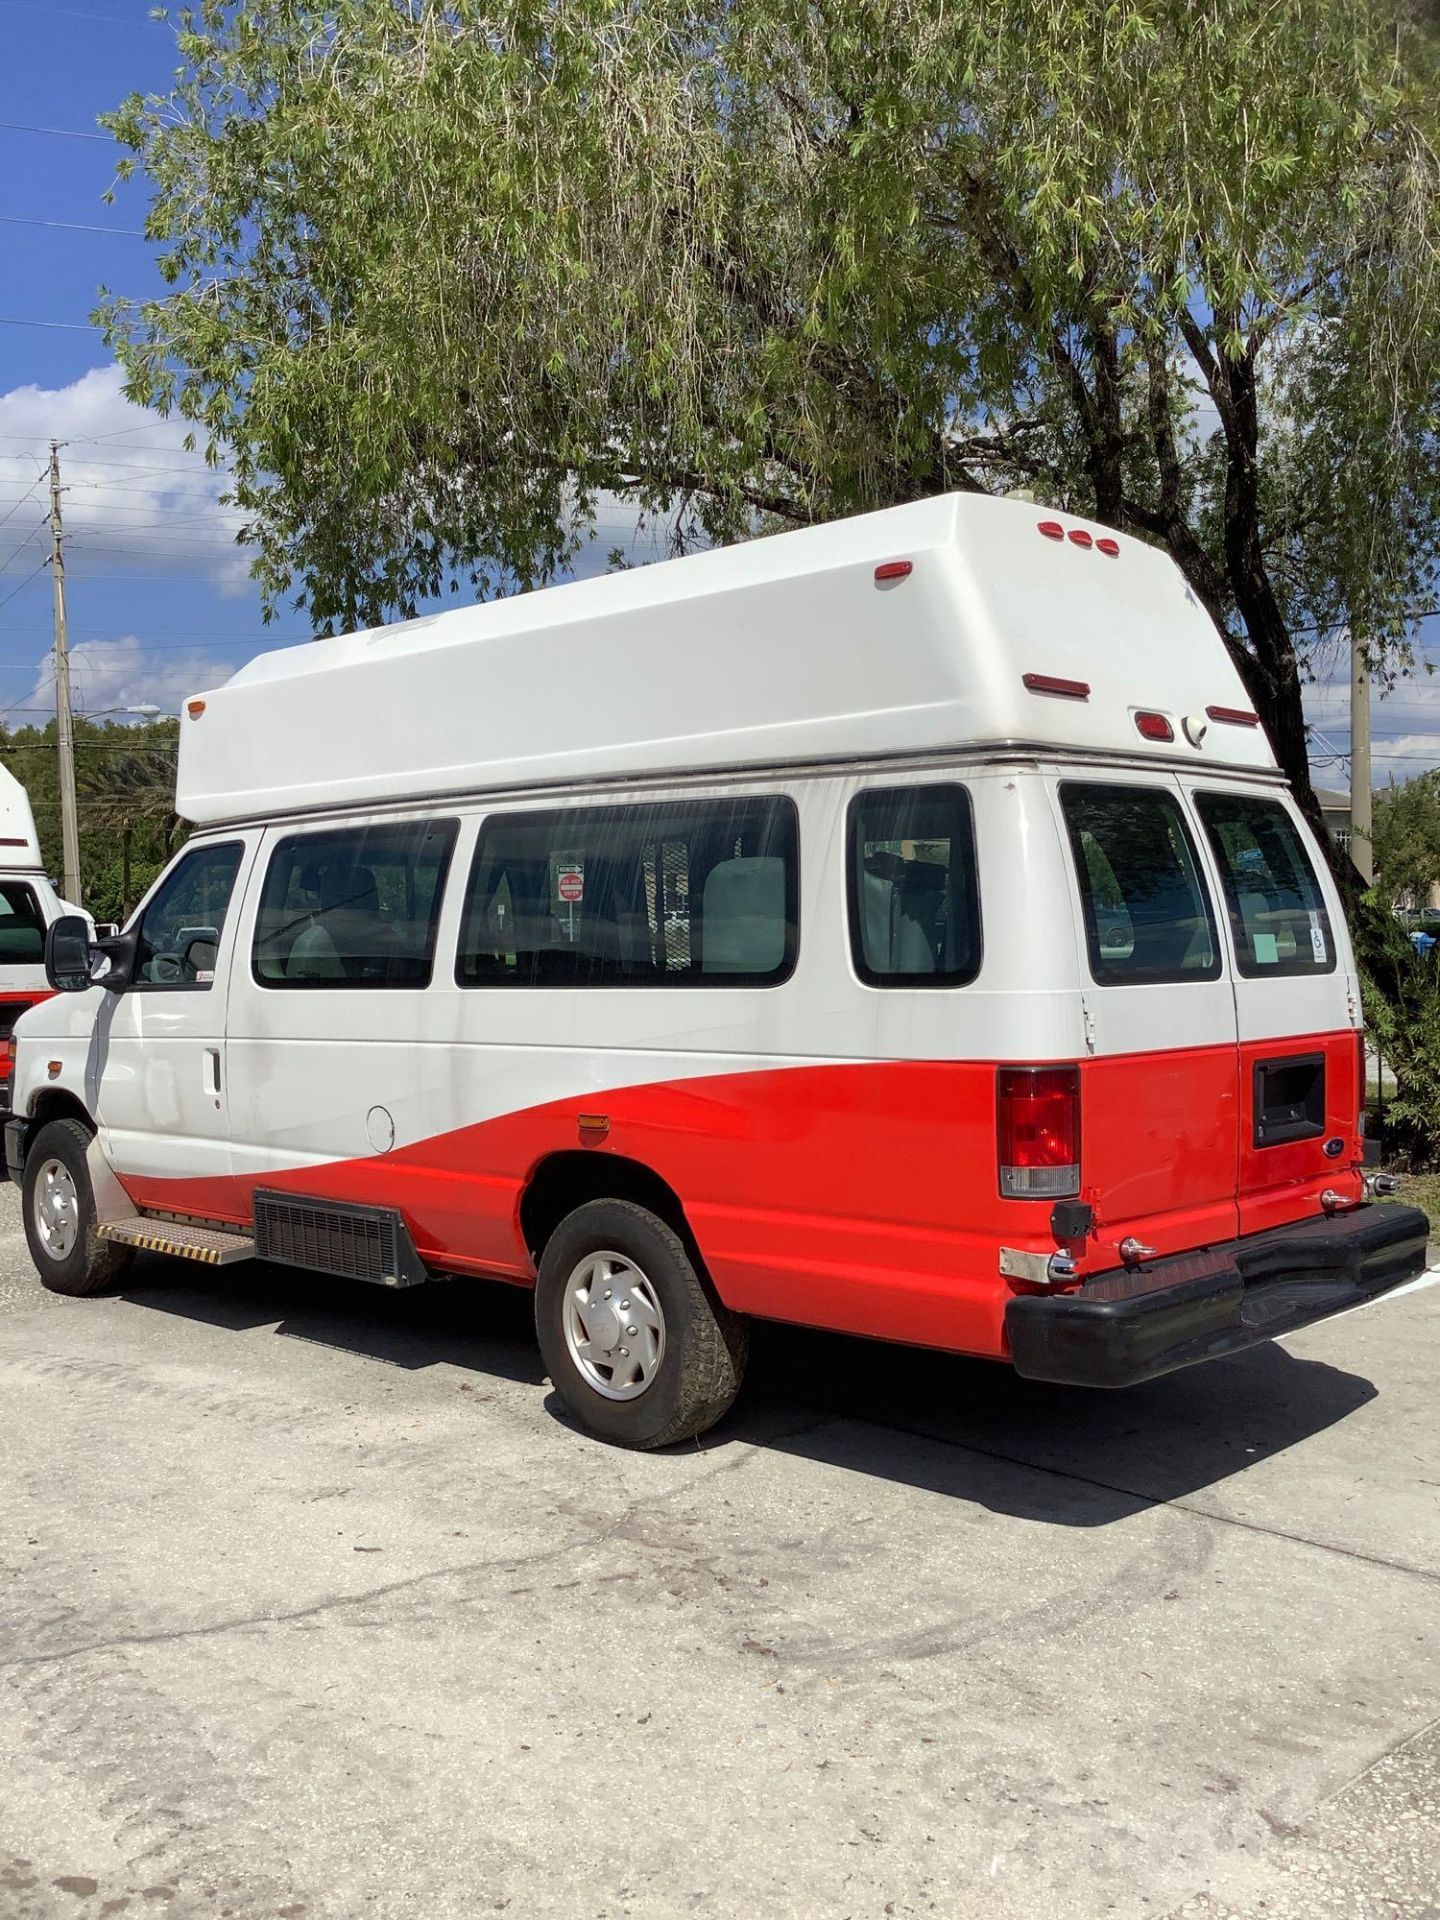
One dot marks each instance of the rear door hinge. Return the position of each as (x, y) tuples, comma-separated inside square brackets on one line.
[(1089, 1029)]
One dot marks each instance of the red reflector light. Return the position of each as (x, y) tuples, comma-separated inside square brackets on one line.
[(1066, 689), (1154, 726), (1051, 529), (1037, 1130), (1112, 547), (1233, 716), (894, 570), (7, 1059), (1080, 537)]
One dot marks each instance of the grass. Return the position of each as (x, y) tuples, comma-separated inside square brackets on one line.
[(1422, 1190)]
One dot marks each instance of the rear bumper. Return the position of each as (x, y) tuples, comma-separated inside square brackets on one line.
[(1120, 1328)]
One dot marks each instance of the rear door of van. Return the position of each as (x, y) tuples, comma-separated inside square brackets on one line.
[(1159, 1110), (1297, 1001)]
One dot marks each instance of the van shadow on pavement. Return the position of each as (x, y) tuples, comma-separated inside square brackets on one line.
[(969, 1429)]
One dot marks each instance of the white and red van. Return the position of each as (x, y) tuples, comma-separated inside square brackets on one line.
[(29, 905), (898, 926)]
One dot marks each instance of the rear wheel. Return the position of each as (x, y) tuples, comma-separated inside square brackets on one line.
[(59, 1207), (637, 1346)]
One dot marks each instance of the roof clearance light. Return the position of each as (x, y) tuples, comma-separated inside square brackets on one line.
[(1065, 689), (1110, 547), (1234, 716), (1154, 726), (894, 570), (1080, 537), (194, 708), (1051, 529)]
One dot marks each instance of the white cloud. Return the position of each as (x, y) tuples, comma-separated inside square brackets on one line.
[(135, 500), (109, 676)]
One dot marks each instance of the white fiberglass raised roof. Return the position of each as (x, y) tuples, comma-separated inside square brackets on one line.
[(783, 650), (19, 842)]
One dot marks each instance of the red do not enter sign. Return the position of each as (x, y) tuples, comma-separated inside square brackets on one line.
[(571, 885)]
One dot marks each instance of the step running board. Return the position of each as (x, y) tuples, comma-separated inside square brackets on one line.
[(210, 1245), (337, 1236)]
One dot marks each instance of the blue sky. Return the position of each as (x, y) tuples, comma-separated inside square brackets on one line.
[(159, 601)]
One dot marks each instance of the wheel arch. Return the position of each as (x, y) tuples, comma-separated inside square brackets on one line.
[(569, 1178), (55, 1103)]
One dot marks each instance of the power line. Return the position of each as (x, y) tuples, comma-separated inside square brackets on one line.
[(25, 582), (74, 13), (63, 326), (64, 133), (71, 226)]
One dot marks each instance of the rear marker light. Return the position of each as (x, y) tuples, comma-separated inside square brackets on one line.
[(1037, 1130), (1234, 716), (1051, 529), (1064, 689), (895, 570), (1109, 547), (1154, 726), (1080, 537), (194, 708)]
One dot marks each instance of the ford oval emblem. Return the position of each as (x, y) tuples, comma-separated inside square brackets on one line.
[(1334, 1148)]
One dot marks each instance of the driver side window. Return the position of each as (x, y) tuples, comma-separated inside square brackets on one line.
[(179, 933)]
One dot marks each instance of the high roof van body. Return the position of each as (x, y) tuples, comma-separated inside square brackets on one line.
[(899, 926), (28, 905)]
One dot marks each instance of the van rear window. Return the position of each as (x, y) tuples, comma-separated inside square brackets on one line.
[(1277, 911), (1147, 915), (22, 925)]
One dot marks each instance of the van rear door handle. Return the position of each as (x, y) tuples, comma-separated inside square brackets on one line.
[(212, 1069)]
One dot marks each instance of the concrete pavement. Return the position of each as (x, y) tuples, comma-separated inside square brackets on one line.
[(312, 1604)]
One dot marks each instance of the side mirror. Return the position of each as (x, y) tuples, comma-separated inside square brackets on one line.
[(67, 954)]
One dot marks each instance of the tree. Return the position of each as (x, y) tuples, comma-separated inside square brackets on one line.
[(125, 780), (447, 277), (1407, 840)]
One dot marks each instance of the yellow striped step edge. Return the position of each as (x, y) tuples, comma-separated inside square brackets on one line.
[(208, 1244)]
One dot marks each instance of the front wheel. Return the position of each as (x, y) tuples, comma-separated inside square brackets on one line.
[(60, 1222), (638, 1348)]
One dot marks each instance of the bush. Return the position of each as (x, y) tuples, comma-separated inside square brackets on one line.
[(1401, 993)]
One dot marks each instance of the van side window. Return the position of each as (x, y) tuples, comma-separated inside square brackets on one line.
[(694, 893), (912, 894), (22, 925), (1147, 915), (180, 928), (1277, 911), (353, 907)]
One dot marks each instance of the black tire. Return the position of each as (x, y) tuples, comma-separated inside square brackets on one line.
[(90, 1263), (703, 1359)]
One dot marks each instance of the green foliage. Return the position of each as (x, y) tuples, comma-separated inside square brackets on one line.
[(1401, 991), (443, 277), (125, 781), (1406, 836)]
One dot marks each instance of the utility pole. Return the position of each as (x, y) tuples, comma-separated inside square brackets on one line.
[(64, 724), (1362, 849)]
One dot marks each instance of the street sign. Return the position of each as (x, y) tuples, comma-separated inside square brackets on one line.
[(571, 885)]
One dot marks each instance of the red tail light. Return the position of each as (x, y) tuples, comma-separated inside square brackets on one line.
[(7, 1061), (1038, 1132), (1362, 1073)]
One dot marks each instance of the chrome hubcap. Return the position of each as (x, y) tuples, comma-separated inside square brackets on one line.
[(57, 1209), (614, 1328)]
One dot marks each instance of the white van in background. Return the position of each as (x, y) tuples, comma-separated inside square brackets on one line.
[(899, 926), (28, 906)]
